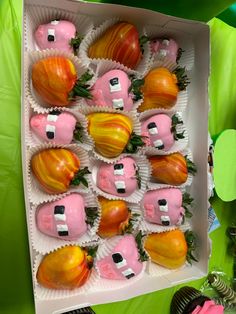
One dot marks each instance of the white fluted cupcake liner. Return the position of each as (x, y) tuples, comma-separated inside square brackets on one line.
[(33, 139), (133, 117), (183, 40), (35, 15), (105, 249), (44, 244), (36, 192), (152, 185), (37, 103), (137, 195), (178, 145), (102, 68), (42, 293), (95, 34)]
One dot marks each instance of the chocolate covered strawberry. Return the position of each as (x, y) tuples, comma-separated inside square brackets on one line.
[(112, 90), (119, 43), (165, 48), (115, 217), (66, 218), (55, 80), (120, 178), (161, 88), (166, 207), (66, 268), (113, 134), (56, 169), (56, 127), (171, 249), (124, 261), (159, 131), (58, 34), (171, 169)]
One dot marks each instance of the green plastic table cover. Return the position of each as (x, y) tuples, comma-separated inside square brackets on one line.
[(16, 294)]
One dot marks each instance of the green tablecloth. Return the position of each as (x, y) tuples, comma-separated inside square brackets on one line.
[(16, 290)]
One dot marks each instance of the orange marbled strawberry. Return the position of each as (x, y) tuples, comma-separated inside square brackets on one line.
[(113, 134), (171, 249), (171, 169), (66, 268), (119, 43), (115, 217), (55, 80), (56, 169), (161, 88)]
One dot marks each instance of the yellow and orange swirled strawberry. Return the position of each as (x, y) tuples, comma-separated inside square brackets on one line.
[(120, 43), (160, 90), (110, 132), (55, 168), (66, 268), (53, 78), (115, 217)]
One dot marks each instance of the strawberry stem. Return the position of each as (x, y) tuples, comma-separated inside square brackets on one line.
[(75, 43), (130, 225), (176, 121), (179, 54), (187, 201), (138, 178), (92, 215), (134, 143), (78, 132), (142, 41), (135, 88), (79, 177), (190, 238), (142, 253), (190, 166), (91, 251), (182, 78), (81, 88)]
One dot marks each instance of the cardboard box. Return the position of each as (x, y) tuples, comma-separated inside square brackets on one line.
[(192, 36)]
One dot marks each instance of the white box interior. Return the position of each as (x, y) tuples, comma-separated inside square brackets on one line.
[(186, 33)]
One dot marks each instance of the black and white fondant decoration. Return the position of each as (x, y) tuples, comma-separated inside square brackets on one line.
[(59, 215), (115, 85), (163, 205), (121, 262), (51, 34), (165, 220), (158, 144), (50, 131), (120, 186), (152, 128), (118, 103), (119, 170)]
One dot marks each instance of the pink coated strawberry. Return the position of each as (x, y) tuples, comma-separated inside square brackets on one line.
[(64, 219), (58, 34), (159, 131), (112, 90), (123, 262), (56, 127), (163, 206), (120, 178), (165, 49)]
